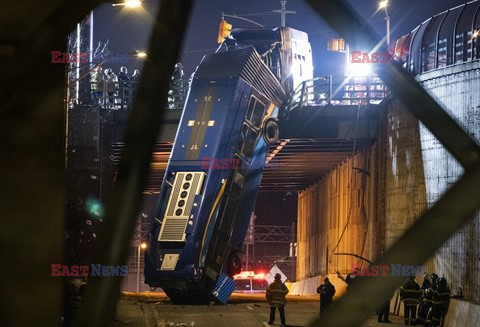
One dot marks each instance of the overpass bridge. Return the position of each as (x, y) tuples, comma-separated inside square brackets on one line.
[(312, 142)]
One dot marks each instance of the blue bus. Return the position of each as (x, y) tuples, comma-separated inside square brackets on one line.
[(213, 174)]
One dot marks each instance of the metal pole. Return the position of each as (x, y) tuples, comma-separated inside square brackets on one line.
[(388, 26), (90, 45), (282, 13), (138, 269), (292, 240), (330, 88), (246, 258)]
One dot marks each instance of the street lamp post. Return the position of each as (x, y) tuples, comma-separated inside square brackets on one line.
[(384, 4), (140, 246)]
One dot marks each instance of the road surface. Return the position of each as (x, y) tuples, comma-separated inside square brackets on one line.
[(243, 310)]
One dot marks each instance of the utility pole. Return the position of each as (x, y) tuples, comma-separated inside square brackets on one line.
[(283, 12)]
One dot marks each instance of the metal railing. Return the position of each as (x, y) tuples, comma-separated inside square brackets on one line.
[(319, 91), (123, 95)]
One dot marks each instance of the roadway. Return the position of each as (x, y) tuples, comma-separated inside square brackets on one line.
[(242, 310)]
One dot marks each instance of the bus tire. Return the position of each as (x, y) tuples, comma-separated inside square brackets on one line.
[(271, 131)]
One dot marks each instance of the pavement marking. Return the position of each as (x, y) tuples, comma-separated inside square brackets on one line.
[(265, 324), (249, 307)]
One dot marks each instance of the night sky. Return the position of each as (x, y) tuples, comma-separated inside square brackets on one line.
[(128, 30)]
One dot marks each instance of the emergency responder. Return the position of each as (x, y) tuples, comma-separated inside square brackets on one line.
[(440, 302), (136, 76), (384, 311), (177, 76), (275, 294), (110, 83), (134, 81), (410, 296), (96, 84), (326, 291), (426, 292), (124, 85), (176, 86)]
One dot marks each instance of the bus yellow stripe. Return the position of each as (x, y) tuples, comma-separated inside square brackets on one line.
[(217, 200)]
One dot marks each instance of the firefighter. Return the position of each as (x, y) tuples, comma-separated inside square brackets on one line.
[(326, 291), (124, 85), (110, 84), (410, 296), (275, 294), (176, 86), (426, 294), (440, 302), (96, 82)]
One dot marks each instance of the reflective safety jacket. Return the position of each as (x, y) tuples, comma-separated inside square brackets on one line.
[(276, 292), (96, 81), (441, 295), (427, 292), (410, 292)]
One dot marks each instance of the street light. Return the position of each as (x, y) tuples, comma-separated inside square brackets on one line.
[(142, 245), (141, 54), (383, 5), (129, 3), (133, 3)]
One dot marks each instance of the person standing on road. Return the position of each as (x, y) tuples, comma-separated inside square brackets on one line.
[(410, 295), (326, 291), (384, 311), (275, 294)]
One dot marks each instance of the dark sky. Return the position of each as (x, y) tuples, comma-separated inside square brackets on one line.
[(129, 30)]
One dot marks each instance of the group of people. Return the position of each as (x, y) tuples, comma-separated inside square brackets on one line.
[(426, 305), (432, 300), (112, 91), (276, 297)]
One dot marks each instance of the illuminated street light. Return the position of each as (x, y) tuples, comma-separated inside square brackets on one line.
[(141, 246), (132, 3), (129, 3), (141, 54), (475, 34), (383, 5)]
